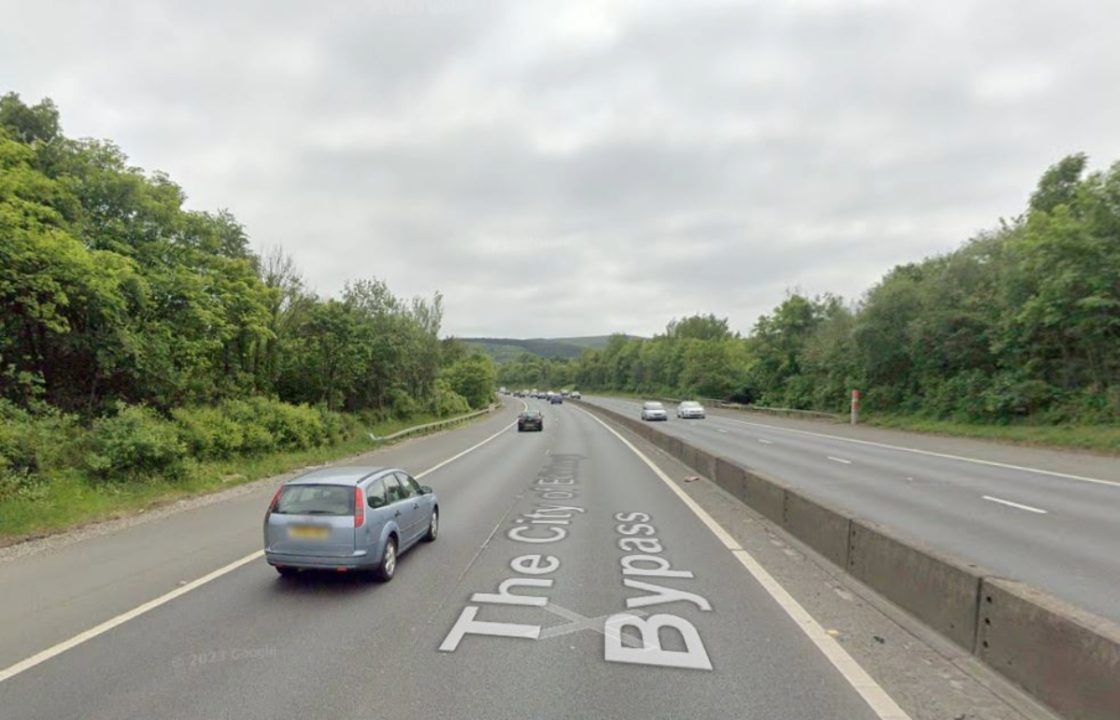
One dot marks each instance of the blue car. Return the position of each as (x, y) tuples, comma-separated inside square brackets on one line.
[(348, 519)]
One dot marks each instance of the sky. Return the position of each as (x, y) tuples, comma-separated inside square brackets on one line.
[(578, 168)]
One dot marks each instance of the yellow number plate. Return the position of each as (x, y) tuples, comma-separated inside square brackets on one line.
[(305, 532)]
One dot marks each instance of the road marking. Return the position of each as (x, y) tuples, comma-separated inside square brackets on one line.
[(871, 692), (721, 430), (59, 648), (764, 441), (839, 460), (947, 456), (1008, 503)]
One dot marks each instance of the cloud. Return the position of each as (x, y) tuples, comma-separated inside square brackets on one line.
[(585, 167)]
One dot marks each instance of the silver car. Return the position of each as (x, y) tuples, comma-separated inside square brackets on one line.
[(690, 410), (654, 411), (348, 519)]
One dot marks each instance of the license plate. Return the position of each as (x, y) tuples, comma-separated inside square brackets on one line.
[(307, 532)]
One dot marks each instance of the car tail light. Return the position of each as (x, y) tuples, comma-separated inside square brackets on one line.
[(275, 500), (359, 507)]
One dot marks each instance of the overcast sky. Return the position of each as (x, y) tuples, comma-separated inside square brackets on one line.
[(570, 168)]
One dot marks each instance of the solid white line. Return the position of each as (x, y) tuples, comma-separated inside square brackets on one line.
[(122, 618), (1028, 508), (839, 460), (871, 692), (58, 649)]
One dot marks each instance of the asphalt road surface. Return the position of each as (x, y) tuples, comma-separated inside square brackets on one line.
[(1027, 514), (527, 606)]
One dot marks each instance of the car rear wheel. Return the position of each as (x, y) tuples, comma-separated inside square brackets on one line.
[(433, 527), (286, 571), (388, 566)]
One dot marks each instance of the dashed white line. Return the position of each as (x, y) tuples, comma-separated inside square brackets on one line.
[(839, 459), (764, 441), (59, 648), (1020, 506)]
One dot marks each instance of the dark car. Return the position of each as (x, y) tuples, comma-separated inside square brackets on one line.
[(556, 400), (530, 420)]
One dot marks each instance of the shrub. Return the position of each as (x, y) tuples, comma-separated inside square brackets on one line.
[(446, 402), (133, 444)]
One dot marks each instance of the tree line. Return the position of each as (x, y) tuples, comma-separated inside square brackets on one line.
[(119, 305), (1021, 323)]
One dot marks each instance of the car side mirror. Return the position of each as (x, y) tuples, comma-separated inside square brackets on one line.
[(426, 490), (376, 501)]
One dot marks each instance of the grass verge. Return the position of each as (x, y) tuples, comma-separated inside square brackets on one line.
[(68, 499), (1098, 438)]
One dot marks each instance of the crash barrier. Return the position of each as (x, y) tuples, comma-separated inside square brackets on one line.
[(1065, 657), (437, 425)]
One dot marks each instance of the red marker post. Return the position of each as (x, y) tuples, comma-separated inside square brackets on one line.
[(855, 406)]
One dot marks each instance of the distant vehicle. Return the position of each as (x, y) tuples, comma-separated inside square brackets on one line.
[(564, 393), (503, 391), (348, 518), (654, 411), (576, 395), (690, 410), (530, 420), (556, 400)]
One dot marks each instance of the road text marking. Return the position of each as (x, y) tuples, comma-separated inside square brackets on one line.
[(871, 692)]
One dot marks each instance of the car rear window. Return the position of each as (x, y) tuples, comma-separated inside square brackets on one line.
[(316, 500)]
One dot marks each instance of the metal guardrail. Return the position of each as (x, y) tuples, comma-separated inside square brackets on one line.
[(438, 424)]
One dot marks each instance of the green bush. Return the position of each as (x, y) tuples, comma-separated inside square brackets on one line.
[(134, 444), (32, 443), (402, 405), (209, 432), (446, 402)]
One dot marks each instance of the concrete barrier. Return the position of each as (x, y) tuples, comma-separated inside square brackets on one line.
[(820, 527), (731, 478), (766, 498), (941, 592), (1065, 657), (1056, 652)]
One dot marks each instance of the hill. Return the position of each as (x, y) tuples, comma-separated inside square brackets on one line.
[(505, 349)]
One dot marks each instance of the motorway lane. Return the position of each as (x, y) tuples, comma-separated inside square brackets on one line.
[(67, 589), (1068, 550), (251, 645)]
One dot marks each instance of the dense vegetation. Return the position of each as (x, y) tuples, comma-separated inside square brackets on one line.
[(138, 338), (1022, 323)]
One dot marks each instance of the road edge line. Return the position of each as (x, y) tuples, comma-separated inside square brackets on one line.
[(872, 693)]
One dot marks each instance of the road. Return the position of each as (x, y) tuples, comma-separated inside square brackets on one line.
[(576, 575), (1041, 526), (248, 644)]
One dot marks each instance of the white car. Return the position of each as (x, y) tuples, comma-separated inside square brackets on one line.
[(690, 410), (576, 395), (654, 411)]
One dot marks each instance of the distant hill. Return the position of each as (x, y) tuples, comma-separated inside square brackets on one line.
[(505, 349)]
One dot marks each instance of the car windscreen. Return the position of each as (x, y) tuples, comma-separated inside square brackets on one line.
[(316, 500), (690, 405), (654, 406)]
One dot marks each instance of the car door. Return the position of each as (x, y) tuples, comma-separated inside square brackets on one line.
[(410, 505), (377, 514), (397, 508), (423, 505)]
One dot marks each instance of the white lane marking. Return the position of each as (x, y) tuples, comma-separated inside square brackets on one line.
[(1008, 503), (59, 648), (764, 441), (872, 693), (108, 625), (839, 460), (947, 456), (721, 430)]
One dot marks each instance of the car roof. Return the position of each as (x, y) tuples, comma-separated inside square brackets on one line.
[(338, 475), (689, 402), (652, 403)]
